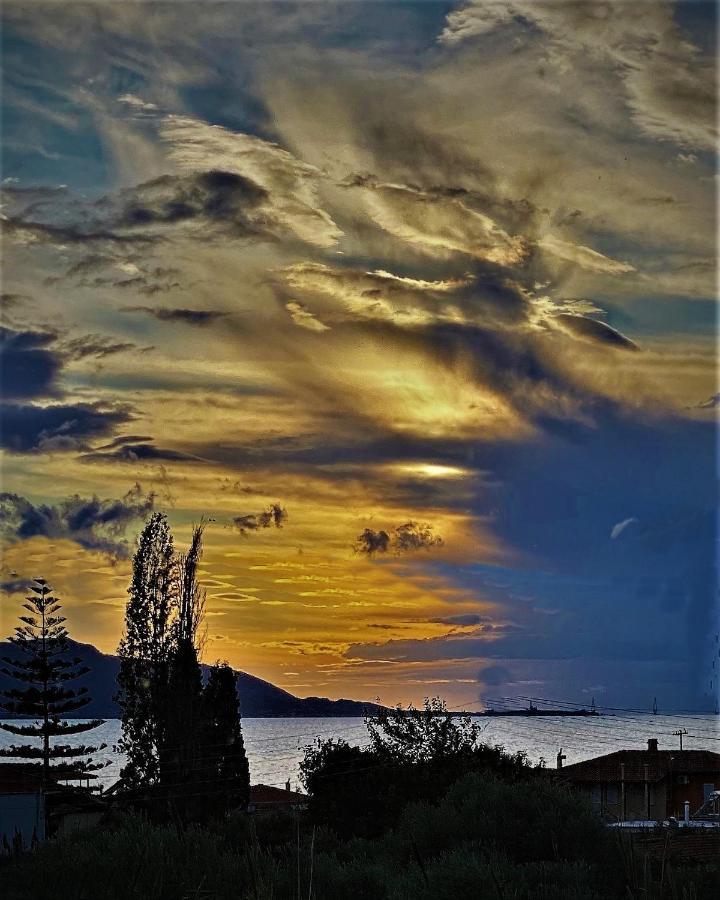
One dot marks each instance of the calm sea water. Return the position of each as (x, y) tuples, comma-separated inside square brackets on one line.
[(275, 746)]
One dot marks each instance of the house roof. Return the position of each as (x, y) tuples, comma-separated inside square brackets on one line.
[(20, 778), (267, 795), (643, 765)]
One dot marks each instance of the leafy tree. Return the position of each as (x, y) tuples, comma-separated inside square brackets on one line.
[(223, 747), (42, 666), (412, 755), (422, 735), (145, 653)]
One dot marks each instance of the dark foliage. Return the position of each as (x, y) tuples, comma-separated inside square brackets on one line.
[(413, 754), (44, 669), (145, 651), (483, 838), (186, 758)]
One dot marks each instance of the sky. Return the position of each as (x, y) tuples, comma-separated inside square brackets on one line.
[(413, 302)]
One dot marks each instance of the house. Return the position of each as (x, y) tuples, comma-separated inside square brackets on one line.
[(650, 785), (265, 797), (22, 807), (70, 810)]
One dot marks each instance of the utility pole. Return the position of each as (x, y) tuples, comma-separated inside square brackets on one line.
[(679, 733)]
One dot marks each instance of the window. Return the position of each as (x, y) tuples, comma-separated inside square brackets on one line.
[(707, 790), (612, 795)]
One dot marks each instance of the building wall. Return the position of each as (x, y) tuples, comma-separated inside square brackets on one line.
[(607, 800), (24, 813), (665, 800), (695, 791)]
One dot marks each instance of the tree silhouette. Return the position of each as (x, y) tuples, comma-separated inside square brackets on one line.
[(42, 640), (180, 757), (223, 747), (145, 652)]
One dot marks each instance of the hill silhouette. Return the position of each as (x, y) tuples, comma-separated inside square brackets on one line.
[(258, 698)]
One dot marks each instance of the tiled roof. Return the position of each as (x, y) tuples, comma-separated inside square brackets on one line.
[(265, 794), (643, 765)]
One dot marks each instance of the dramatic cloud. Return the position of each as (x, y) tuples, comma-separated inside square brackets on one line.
[(407, 538), (131, 449), (215, 200), (668, 89), (93, 523), (289, 185), (198, 317), (376, 271), (467, 620), (97, 346), (592, 330), (371, 541), (25, 428), (585, 257), (304, 318), (273, 515), (440, 223), (414, 536), (29, 365), (494, 676)]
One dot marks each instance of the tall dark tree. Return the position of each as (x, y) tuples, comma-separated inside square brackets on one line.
[(145, 653), (180, 756), (43, 667), (225, 761)]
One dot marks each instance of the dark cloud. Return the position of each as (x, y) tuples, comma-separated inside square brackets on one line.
[(32, 360), (95, 345), (711, 403), (222, 199), (16, 585), (598, 332), (223, 202), (370, 542), (407, 538), (93, 523), (413, 536), (12, 301), (273, 515), (462, 621), (25, 428), (29, 365), (125, 439), (187, 316), (93, 234), (493, 676), (131, 449)]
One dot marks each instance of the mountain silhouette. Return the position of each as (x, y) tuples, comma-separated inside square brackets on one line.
[(258, 698)]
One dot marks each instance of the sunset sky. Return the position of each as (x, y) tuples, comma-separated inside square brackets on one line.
[(413, 300)]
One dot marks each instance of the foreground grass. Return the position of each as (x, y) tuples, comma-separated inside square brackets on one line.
[(484, 839)]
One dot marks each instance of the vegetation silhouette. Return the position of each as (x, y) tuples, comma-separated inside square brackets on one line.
[(43, 667)]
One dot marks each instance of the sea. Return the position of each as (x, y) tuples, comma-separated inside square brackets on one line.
[(276, 746)]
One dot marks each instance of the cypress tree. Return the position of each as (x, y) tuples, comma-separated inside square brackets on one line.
[(43, 668), (181, 750), (223, 746), (145, 653)]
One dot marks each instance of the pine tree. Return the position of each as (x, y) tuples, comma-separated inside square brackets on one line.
[(42, 640), (223, 748), (145, 653)]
